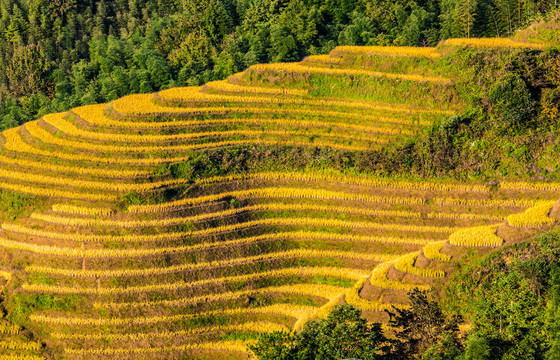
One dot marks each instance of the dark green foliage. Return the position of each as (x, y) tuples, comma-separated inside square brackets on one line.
[(510, 98), (23, 304), (276, 345), (210, 163), (512, 299), (424, 328), (343, 335), (26, 73), (510, 122), (553, 316), (14, 204)]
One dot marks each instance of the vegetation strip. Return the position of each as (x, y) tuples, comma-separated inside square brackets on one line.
[(252, 326), (276, 192), (368, 181), (492, 43), (135, 252), (54, 193), (319, 235), (70, 129), (379, 278), (476, 236), (42, 165), (224, 85), (191, 94), (78, 221), (300, 271), (298, 68), (90, 185), (290, 310), (234, 345), (47, 137), (15, 143), (203, 265), (79, 210), (534, 216), (407, 51), (432, 251), (316, 290), (95, 115), (406, 263)]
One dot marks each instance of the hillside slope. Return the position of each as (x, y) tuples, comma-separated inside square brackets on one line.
[(187, 221)]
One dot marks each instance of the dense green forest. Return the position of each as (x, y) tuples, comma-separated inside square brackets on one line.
[(65, 53), (511, 299)]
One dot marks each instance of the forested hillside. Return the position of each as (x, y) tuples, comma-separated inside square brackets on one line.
[(65, 53)]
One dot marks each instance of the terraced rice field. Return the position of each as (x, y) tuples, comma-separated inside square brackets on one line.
[(226, 257)]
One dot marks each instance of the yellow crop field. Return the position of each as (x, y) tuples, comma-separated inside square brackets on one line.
[(317, 290), (37, 165), (534, 216), (79, 210), (19, 345), (49, 138), (70, 129), (120, 253), (260, 326), (492, 43), (489, 203), (15, 143), (95, 115), (142, 104), (432, 251), (65, 126), (314, 289), (190, 94), (465, 216), (407, 51), (476, 236), (84, 238), (406, 263), (229, 87), (89, 185), (21, 357), (54, 193), (188, 221), (46, 137), (234, 345), (290, 310), (349, 179), (277, 192), (80, 221), (523, 185), (7, 328), (298, 68), (322, 59), (290, 254), (379, 278)]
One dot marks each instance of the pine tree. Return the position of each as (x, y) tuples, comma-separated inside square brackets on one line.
[(465, 13)]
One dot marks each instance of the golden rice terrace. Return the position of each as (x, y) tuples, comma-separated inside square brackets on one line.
[(221, 258)]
